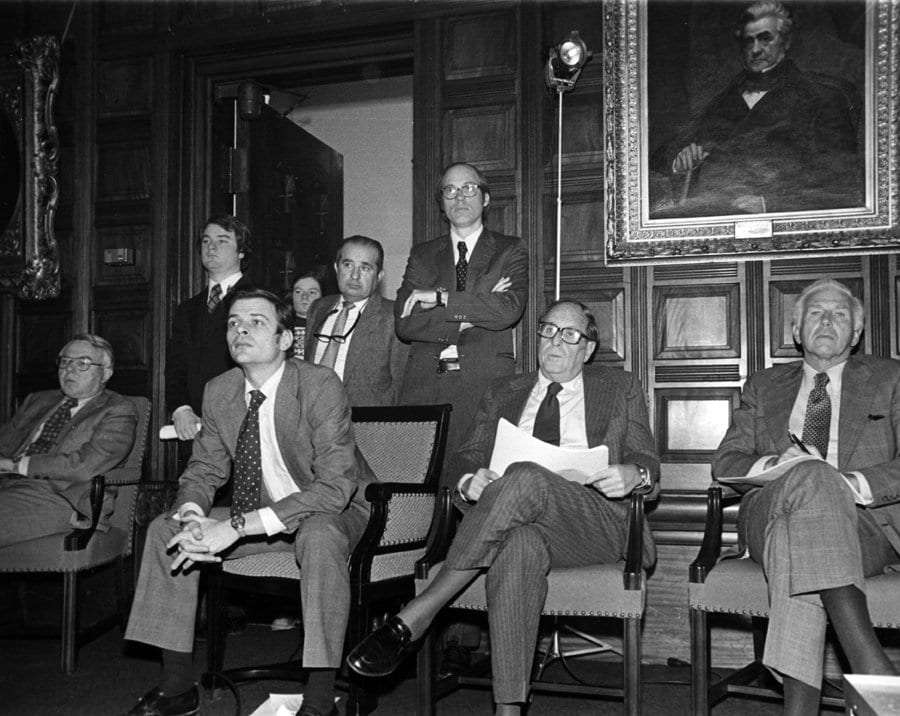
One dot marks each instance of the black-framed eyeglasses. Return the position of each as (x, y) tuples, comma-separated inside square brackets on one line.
[(568, 334), (326, 338), (468, 189), (80, 364)]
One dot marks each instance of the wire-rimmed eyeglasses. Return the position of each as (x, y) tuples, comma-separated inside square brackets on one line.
[(468, 189), (568, 334), (326, 338), (80, 364)]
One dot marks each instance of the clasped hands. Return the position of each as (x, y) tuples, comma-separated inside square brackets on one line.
[(614, 481), (426, 297), (201, 540)]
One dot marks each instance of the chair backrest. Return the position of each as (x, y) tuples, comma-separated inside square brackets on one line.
[(126, 476), (403, 443)]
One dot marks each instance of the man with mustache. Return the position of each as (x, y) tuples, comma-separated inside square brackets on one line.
[(824, 525)]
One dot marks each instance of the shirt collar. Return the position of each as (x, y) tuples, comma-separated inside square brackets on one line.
[(573, 386), (361, 304), (834, 373), (469, 240), (269, 388), (226, 283)]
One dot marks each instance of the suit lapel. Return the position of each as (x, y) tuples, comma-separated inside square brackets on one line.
[(445, 264), (288, 406), (598, 406), (358, 351), (233, 408), (856, 396), (516, 397), (781, 403), (481, 257), (92, 406)]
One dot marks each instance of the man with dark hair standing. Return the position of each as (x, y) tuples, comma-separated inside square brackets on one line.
[(519, 525), (353, 332), (197, 350), (58, 440), (824, 525), (282, 429)]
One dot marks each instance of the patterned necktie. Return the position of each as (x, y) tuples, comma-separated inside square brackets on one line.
[(299, 341), (52, 428), (247, 460), (817, 425), (546, 422), (331, 350), (215, 297), (462, 266)]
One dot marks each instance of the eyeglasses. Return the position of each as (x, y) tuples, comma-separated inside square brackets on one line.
[(325, 338), (568, 334), (80, 364), (468, 189)]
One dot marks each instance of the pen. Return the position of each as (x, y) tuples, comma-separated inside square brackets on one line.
[(799, 443)]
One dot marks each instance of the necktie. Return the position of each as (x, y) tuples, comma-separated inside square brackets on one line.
[(817, 424), (52, 428), (247, 460), (331, 350), (546, 422), (462, 266), (299, 341), (215, 297)]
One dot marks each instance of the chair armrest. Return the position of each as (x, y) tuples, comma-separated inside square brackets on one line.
[(633, 573), (439, 535), (78, 539), (711, 547), (383, 491)]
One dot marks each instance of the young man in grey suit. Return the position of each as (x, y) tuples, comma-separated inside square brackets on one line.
[(284, 426), (519, 525), (58, 440), (358, 342), (823, 526)]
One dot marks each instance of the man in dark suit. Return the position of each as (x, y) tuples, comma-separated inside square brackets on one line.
[(284, 426), (461, 296), (519, 525), (776, 139), (58, 440), (824, 525), (353, 332), (197, 349)]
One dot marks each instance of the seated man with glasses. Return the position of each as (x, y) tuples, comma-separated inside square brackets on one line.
[(519, 525), (58, 440), (353, 332)]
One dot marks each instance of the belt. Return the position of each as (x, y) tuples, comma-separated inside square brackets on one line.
[(447, 365)]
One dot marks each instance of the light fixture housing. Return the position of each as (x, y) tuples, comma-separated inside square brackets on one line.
[(566, 62)]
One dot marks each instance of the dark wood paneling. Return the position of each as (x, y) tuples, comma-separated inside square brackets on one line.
[(480, 45), (123, 172), (124, 87), (119, 240), (484, 136)]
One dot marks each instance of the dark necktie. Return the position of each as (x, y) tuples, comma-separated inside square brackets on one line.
[(546, 422), (52, 428), (817, 424), (462, 266), (215, 297), (331, 350), (247, 460)]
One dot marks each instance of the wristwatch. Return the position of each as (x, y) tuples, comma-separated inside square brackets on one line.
[(439, 296), (646, 481), (237, 523)]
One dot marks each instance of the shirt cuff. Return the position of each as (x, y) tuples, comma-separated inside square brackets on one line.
[(760, 465), (270, 522), (189, 507), (459, 491), (22, 465), (863, 495)]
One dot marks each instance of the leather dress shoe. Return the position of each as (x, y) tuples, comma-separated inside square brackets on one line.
[(313, 711), (380, 653), (153, 703)]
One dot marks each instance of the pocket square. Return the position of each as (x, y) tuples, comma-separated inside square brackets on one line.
[(875, 417)]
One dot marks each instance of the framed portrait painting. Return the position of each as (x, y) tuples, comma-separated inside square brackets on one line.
[(738, 130)]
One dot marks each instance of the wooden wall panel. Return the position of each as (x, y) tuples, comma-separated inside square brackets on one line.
[(123, 172), (479, 45), (486, 136), (581, 224), (124, 87), (123, 254)]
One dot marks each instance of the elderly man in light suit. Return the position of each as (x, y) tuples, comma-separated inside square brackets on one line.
[(58, 440), (362, 346), (519, 525), (298, 484), (823, 526)]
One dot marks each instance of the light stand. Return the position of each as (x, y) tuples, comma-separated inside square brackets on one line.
[(563, 70)]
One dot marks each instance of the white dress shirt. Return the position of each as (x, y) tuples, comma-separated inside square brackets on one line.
[(328, 327), (451, 352)]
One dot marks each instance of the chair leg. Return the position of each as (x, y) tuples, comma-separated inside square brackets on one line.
[(700, 663), (215, 604), (425, 676), (631, 663), (69, 622)]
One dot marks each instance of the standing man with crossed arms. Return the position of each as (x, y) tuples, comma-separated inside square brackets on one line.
[(299, 483)]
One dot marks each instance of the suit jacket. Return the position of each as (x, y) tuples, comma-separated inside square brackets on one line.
[(486, 350), (796, 146), (376, 358), (315, 436), (615, 415), (197, 350), (868, 430), (97, 438)]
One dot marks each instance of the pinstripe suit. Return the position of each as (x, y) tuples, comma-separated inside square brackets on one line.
[(531, 519), (805, 528)]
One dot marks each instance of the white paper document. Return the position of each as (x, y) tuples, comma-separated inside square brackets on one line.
[(515, 445), (771, 473)]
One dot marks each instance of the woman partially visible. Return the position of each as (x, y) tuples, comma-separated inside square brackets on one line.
[(307, 288)]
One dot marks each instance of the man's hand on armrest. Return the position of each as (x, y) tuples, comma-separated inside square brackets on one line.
[(186, 421), (616, 481), (471, 485)]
